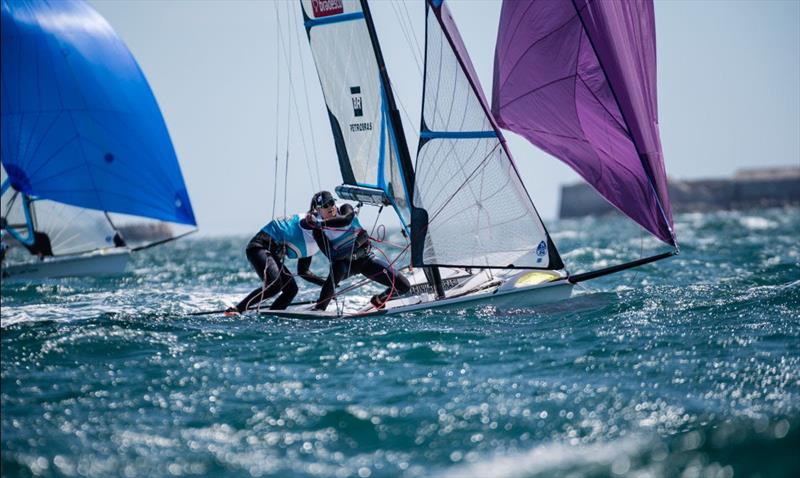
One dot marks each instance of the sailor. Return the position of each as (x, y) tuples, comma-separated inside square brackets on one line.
[(286, 237), (348, 249), (41, 246)]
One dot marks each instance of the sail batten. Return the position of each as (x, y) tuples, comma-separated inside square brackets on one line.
[(346, 17), (428, 134), (577, 79)]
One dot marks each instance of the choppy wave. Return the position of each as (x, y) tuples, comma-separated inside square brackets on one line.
[(690, 367)]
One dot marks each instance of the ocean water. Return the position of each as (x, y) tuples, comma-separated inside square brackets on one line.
[(690, 367)]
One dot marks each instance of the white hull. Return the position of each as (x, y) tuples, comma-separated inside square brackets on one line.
[(92, 264), (510, 292)]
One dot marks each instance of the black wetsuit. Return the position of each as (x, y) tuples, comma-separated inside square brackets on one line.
[(41, 245), (362, 262), (266, 256)]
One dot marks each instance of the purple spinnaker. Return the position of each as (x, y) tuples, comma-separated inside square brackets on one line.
[(577, 78)]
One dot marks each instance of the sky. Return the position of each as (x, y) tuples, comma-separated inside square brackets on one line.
[(728, 94)]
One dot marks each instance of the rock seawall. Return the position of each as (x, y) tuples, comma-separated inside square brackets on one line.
[(754, 188)]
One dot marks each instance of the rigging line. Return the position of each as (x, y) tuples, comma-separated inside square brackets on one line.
[(641, 255), (293, 98), (311, 176), (287, 45), (163, 241), (290, 61), (264, 285), (113, 226), (478, 167), (411, 27), (288, 136), (331, 277), (402, 23), (285, 180), (368, 278), (378, 216), (277, 76), (296, 21), (447, 155), (478, 216), (274, 187), (277, 104), (355, 240), (405, 112), (10, 203)]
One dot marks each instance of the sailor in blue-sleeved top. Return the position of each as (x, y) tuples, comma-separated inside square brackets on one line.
[(286, 237)]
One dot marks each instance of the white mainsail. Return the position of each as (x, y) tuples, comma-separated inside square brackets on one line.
[(355, 95), (470, 206)]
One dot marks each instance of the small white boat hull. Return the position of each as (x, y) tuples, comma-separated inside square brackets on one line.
[(92, 264), (505, 294)]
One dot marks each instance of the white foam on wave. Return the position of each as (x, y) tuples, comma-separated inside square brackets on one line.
[(756, 223), (35, 313), (557, 459)]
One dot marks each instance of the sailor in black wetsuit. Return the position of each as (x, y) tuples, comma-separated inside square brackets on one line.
[(41, 245), (347, 247), (290, 237)]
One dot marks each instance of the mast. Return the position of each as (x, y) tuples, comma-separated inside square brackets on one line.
[(432, 273)]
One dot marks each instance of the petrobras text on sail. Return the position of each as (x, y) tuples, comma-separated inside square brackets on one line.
[(324, 8), (356, 127)]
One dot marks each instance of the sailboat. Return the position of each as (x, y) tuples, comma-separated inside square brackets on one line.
[(574, 77), (89, 173)]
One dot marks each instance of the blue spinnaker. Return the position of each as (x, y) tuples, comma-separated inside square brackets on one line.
[(80, 124)]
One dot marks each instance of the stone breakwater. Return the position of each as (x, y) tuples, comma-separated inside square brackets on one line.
[(747, 189)]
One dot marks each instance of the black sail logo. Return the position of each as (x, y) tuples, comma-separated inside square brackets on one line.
[(355, 91), (358, 110)]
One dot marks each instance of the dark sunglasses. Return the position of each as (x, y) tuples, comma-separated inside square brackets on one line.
[(328, 204)]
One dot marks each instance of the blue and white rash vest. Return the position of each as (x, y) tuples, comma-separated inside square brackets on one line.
[(341, 239), (287, 230)]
